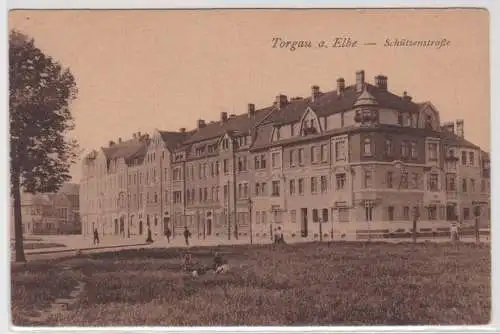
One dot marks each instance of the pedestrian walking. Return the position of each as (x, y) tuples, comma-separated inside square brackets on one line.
[(187, 235), (96, 237), (454, 231), (150, 237), (168, 234)]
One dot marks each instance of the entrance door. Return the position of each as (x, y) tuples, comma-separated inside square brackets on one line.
[(209, 226), (122, 226), (116, 226), (303, 223), (140, 227)]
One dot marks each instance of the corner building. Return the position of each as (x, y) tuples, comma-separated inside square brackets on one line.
[(345, 164)]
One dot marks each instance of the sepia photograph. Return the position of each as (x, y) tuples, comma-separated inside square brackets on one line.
[(249, 167)]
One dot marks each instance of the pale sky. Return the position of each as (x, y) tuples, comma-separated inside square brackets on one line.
[(141, 70)]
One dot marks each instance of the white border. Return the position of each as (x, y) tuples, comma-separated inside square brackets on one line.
[(494, 10)]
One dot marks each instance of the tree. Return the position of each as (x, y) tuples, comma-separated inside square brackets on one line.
[(41, 152)]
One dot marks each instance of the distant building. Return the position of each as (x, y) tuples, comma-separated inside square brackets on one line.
[(51, 213), (357, 159)]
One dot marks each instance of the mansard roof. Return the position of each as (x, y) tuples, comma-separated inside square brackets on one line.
[(238, 124), (451, 139), (332, 102), (172, 139), (128, 150)]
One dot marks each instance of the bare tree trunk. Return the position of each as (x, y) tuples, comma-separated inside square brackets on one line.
[(18, 219)]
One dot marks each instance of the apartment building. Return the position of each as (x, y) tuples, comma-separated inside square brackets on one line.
[(338, 163), (50, 213)]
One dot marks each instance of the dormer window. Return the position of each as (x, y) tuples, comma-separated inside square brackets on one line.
[(367, 147), (428, 121), (278, 133)]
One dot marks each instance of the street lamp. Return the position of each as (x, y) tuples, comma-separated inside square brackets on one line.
[(250, 219), (320, 222), (477, 213), (416, 216)]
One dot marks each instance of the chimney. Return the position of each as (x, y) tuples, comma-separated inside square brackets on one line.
[(381, 82), (281, 101), (182, 130), (201, 123), (340, 86), (460, 127), (111, 143), (315, 93), (223, 116), (360, 81), (119, 140), (251, 110), (406, 97)]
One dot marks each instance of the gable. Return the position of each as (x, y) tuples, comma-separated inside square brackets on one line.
[(309, 122)]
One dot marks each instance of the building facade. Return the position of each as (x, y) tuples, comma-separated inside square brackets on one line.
[(336, 164), (51, 213)]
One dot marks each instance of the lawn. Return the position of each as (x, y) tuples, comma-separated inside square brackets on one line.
[(301, 284)]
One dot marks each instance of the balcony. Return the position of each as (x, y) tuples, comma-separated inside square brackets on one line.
[(434, 197)]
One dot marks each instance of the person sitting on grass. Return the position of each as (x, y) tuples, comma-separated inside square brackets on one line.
[(187, 262)]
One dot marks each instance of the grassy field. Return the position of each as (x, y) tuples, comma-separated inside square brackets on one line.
[(42, 245), (303, 284)]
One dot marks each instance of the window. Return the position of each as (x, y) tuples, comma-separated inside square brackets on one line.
[(343, 215), (432, 212), (177, 197), (368, 179), (262, 161), (388, 147), (276, 188), (292, 187), (483, 185), (257, 162), (324, 215), (324, 153), (278, 133), (314, 185), (341, 179), (293, 216), (301, 156), (301, 186), (225, 166), (156, 197), (257, 217), (404, 180), (433, 182), (240, 190), (315, 215), (368, 211), (275, 160), (263, 189), (414, 153), (292, 130), (324, 184), (292, 162), (257, 189), (414, 180), (314, 155), (464, 158), (367, 147), (472, 185), (433, 151), (245, 190), (404, 149), (390, 213), (406, 212), (466, 214), (339, 150), (464, 185), (226, 191), (450, 182), (471, 158), (389, 179), (217, 168)]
